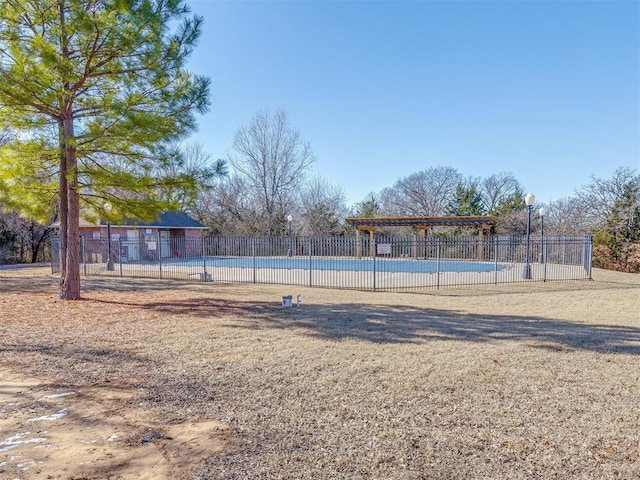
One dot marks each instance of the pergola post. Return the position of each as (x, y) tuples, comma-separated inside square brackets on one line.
[(358, 245), (372, 246), (426, 237), (425, 248), (414, 253), (485, 230)]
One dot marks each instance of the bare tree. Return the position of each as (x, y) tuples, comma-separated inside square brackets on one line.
[(566, 216), (273, 160), (228, 209), (425, 193), (495, 189), (22, 240), (187, 171), (601, 195), (323, 208)]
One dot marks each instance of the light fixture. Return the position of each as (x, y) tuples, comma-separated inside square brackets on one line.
[(289, 218), (541, 257), (529, 199)]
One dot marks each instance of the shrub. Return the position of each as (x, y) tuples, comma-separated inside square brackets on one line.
[(627, 261), (602, 257), (633, 258)]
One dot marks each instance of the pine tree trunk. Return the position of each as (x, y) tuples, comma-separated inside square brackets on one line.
[(63, 212), (70, 288)]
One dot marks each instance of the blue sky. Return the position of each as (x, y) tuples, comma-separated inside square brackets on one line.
[(548, 90)]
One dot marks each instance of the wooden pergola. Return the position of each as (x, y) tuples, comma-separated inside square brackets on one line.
[(484, 224)]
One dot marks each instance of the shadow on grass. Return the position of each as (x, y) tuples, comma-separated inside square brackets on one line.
[(388, 324), (50, 284), (106, 357), (79, 366), (47, 284), (406, 324)]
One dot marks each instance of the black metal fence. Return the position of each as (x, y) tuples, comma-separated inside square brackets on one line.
[(341, 262)]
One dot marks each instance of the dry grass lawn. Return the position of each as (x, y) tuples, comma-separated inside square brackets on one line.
[(206, 381)]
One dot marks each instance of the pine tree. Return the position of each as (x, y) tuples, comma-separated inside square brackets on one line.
[(369, 207), (93, 89), (467, 201), (514, 203), (623, 224)]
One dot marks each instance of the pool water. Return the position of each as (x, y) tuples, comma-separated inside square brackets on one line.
[(349, 264)]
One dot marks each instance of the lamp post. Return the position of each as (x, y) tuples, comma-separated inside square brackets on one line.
[(107, 208), (541, 212), (528, 200), (289, 218)]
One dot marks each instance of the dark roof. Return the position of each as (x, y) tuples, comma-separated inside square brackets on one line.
[(165, 220), (422, 221)]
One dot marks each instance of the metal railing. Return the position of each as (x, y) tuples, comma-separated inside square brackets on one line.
[(338, 262)]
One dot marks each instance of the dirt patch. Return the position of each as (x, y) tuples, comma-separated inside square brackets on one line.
[(48, 432), (164, 379)]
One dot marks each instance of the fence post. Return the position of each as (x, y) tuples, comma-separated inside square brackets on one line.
[(588, 254), (310, 262), (438, 263), (374, 252), (544, 261), (159, 250), (253, 253), (495, 254), (120, 255), (204, 261)]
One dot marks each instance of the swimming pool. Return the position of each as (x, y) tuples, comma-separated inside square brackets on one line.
[(348, 264)]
